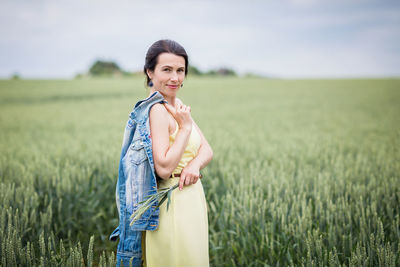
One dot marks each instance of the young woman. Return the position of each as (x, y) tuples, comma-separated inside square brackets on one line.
[(180, 151)]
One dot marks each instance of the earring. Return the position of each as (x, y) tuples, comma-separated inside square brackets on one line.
[(181, 84), (150, 83)]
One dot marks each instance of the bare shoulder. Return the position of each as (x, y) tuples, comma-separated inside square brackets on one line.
[(158, 111), (161, 119)]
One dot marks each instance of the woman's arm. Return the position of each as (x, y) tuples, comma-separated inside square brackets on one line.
[(191, 172), (205, 153), (166, 158)]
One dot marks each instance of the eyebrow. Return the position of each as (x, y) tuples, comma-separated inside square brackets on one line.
[(170, 66)]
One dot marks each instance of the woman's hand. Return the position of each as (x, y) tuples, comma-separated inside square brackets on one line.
[(190, 175), (181, 114)]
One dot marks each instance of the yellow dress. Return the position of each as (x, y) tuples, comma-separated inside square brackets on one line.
[(181, 238)]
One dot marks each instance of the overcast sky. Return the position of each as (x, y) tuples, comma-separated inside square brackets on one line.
[(288, 39)]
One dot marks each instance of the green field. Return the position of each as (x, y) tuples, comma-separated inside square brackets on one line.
[(305, 172)]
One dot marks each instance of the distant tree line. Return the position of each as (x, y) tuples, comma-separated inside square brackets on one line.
[(102, 68), (223, 71)]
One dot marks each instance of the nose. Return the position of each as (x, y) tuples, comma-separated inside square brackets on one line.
[(174, 76)]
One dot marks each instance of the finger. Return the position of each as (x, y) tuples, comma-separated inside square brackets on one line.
[(181, 182), (170, 109), (187, 180)]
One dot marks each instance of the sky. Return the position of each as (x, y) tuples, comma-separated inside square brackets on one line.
[(283, 39)]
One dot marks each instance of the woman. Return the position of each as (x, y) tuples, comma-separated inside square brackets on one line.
[(180, 150)]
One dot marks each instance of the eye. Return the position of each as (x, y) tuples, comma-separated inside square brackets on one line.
[(166, 69), (181, 70)]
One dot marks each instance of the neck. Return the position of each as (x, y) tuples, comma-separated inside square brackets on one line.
[(170, 99)]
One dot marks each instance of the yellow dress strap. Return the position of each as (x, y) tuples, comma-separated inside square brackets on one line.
[(176, 129)]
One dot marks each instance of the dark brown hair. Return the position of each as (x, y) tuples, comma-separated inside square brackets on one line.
[(163, 46)]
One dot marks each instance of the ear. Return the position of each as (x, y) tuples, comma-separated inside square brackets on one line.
[(149, 73)]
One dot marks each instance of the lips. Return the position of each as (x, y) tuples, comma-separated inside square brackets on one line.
[(172, 86)]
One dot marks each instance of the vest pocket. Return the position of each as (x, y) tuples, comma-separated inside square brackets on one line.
[(137, 152)]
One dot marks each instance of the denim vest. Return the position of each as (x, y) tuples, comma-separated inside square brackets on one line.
[(136, 181)]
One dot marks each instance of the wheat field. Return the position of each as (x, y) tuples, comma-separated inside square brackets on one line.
[(305, 172)]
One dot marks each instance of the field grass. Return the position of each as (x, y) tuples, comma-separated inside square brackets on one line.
[(305, 172)]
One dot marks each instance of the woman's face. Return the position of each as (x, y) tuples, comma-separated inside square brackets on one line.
[(168, 74)]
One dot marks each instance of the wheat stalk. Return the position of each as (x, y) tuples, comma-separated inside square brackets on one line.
[(161, 195)]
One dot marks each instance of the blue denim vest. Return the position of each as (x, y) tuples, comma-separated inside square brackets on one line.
[(136, 181)]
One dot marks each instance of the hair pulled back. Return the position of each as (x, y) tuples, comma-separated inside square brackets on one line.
[(163, 46)]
